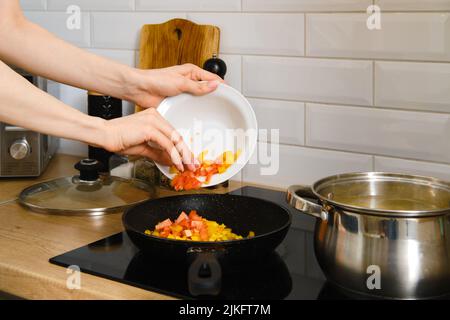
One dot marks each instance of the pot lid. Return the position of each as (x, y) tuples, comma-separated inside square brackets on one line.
[(87, 193)]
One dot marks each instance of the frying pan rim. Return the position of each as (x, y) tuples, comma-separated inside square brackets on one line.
[(206, 243)]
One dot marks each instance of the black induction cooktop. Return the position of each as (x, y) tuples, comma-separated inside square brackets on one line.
[(291, 272)]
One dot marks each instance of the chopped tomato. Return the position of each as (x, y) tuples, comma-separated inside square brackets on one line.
[(181, 217), (185, 224), (194, 216), (188, 180), (194, 228), (198, 225), (163, 224)]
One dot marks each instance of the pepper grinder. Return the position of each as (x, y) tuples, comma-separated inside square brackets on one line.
[(216, 65), (105, 107)]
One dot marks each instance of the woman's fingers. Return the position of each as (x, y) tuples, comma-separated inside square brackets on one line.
[(145, 150), (183, 149), (199, 88), (197, 73), (168, 146), (160, 156)]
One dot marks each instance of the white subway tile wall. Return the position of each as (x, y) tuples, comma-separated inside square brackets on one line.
[(103, 5), (234, 70), (413, 85), (306, 5), (121, 30), (413, 167), (414, 5), (344, 97), (415, 135), (306, 79), (406, 36), (33, 4), (191, 5), (286, 116), (243, 33), (301, 165), (56, 22)]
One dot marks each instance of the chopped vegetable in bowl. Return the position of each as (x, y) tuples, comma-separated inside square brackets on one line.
[(189, 180), (194, 228)]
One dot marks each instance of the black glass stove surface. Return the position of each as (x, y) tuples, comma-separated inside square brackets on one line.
[(291, 272)]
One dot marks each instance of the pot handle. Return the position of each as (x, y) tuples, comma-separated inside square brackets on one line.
[(205, 274), (295, 197)]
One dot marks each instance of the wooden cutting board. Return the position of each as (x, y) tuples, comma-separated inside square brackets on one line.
[(176, 42)]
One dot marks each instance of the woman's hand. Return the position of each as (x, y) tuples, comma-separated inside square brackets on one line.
[(132, 134), (148, 88)]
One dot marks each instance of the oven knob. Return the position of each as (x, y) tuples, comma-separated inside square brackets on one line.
[(19, 149)]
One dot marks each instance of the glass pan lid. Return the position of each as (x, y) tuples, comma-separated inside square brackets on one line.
[(88, 194)]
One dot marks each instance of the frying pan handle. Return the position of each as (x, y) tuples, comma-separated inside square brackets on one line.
[(296, 195), (205, 274)]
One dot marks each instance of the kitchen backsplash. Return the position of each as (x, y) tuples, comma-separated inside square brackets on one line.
[(345, 98)]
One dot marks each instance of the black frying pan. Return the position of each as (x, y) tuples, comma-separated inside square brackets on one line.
[(242, 214)]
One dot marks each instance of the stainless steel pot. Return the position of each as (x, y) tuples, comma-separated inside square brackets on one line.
[(381, 234)]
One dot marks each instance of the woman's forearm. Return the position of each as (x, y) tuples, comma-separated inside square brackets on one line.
[(31, 47), (24, 105)]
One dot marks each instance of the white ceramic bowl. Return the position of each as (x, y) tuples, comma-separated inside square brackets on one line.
[(219, 121)]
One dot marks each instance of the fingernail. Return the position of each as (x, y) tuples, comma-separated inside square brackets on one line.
[(213, 84)]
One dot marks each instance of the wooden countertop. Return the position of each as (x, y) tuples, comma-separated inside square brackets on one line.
[(28, 240)]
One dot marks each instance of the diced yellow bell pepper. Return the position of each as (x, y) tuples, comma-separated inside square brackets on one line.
[(222, 168), (237, 154), (176, 228), (228, 158), (201, 156)]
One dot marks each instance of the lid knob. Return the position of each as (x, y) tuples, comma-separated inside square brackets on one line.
[(89, 169)]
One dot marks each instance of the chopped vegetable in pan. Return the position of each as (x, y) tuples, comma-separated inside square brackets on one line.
[(195, 228), (189, 180)]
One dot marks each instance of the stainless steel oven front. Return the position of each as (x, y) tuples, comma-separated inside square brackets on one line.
[(25, 153)]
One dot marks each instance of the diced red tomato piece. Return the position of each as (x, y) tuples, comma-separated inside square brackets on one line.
[(188, 180), (208, 178), (193, 215), (198, 225), (181, 217), (163, 224), (185, 224)]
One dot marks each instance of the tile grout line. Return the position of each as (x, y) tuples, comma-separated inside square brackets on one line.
[(373, 94), (373, 83), (350, 105), (91, 30), (305, 115), (305, 16), (292, 12), (361, 153), (242, 74), (281, 56)]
